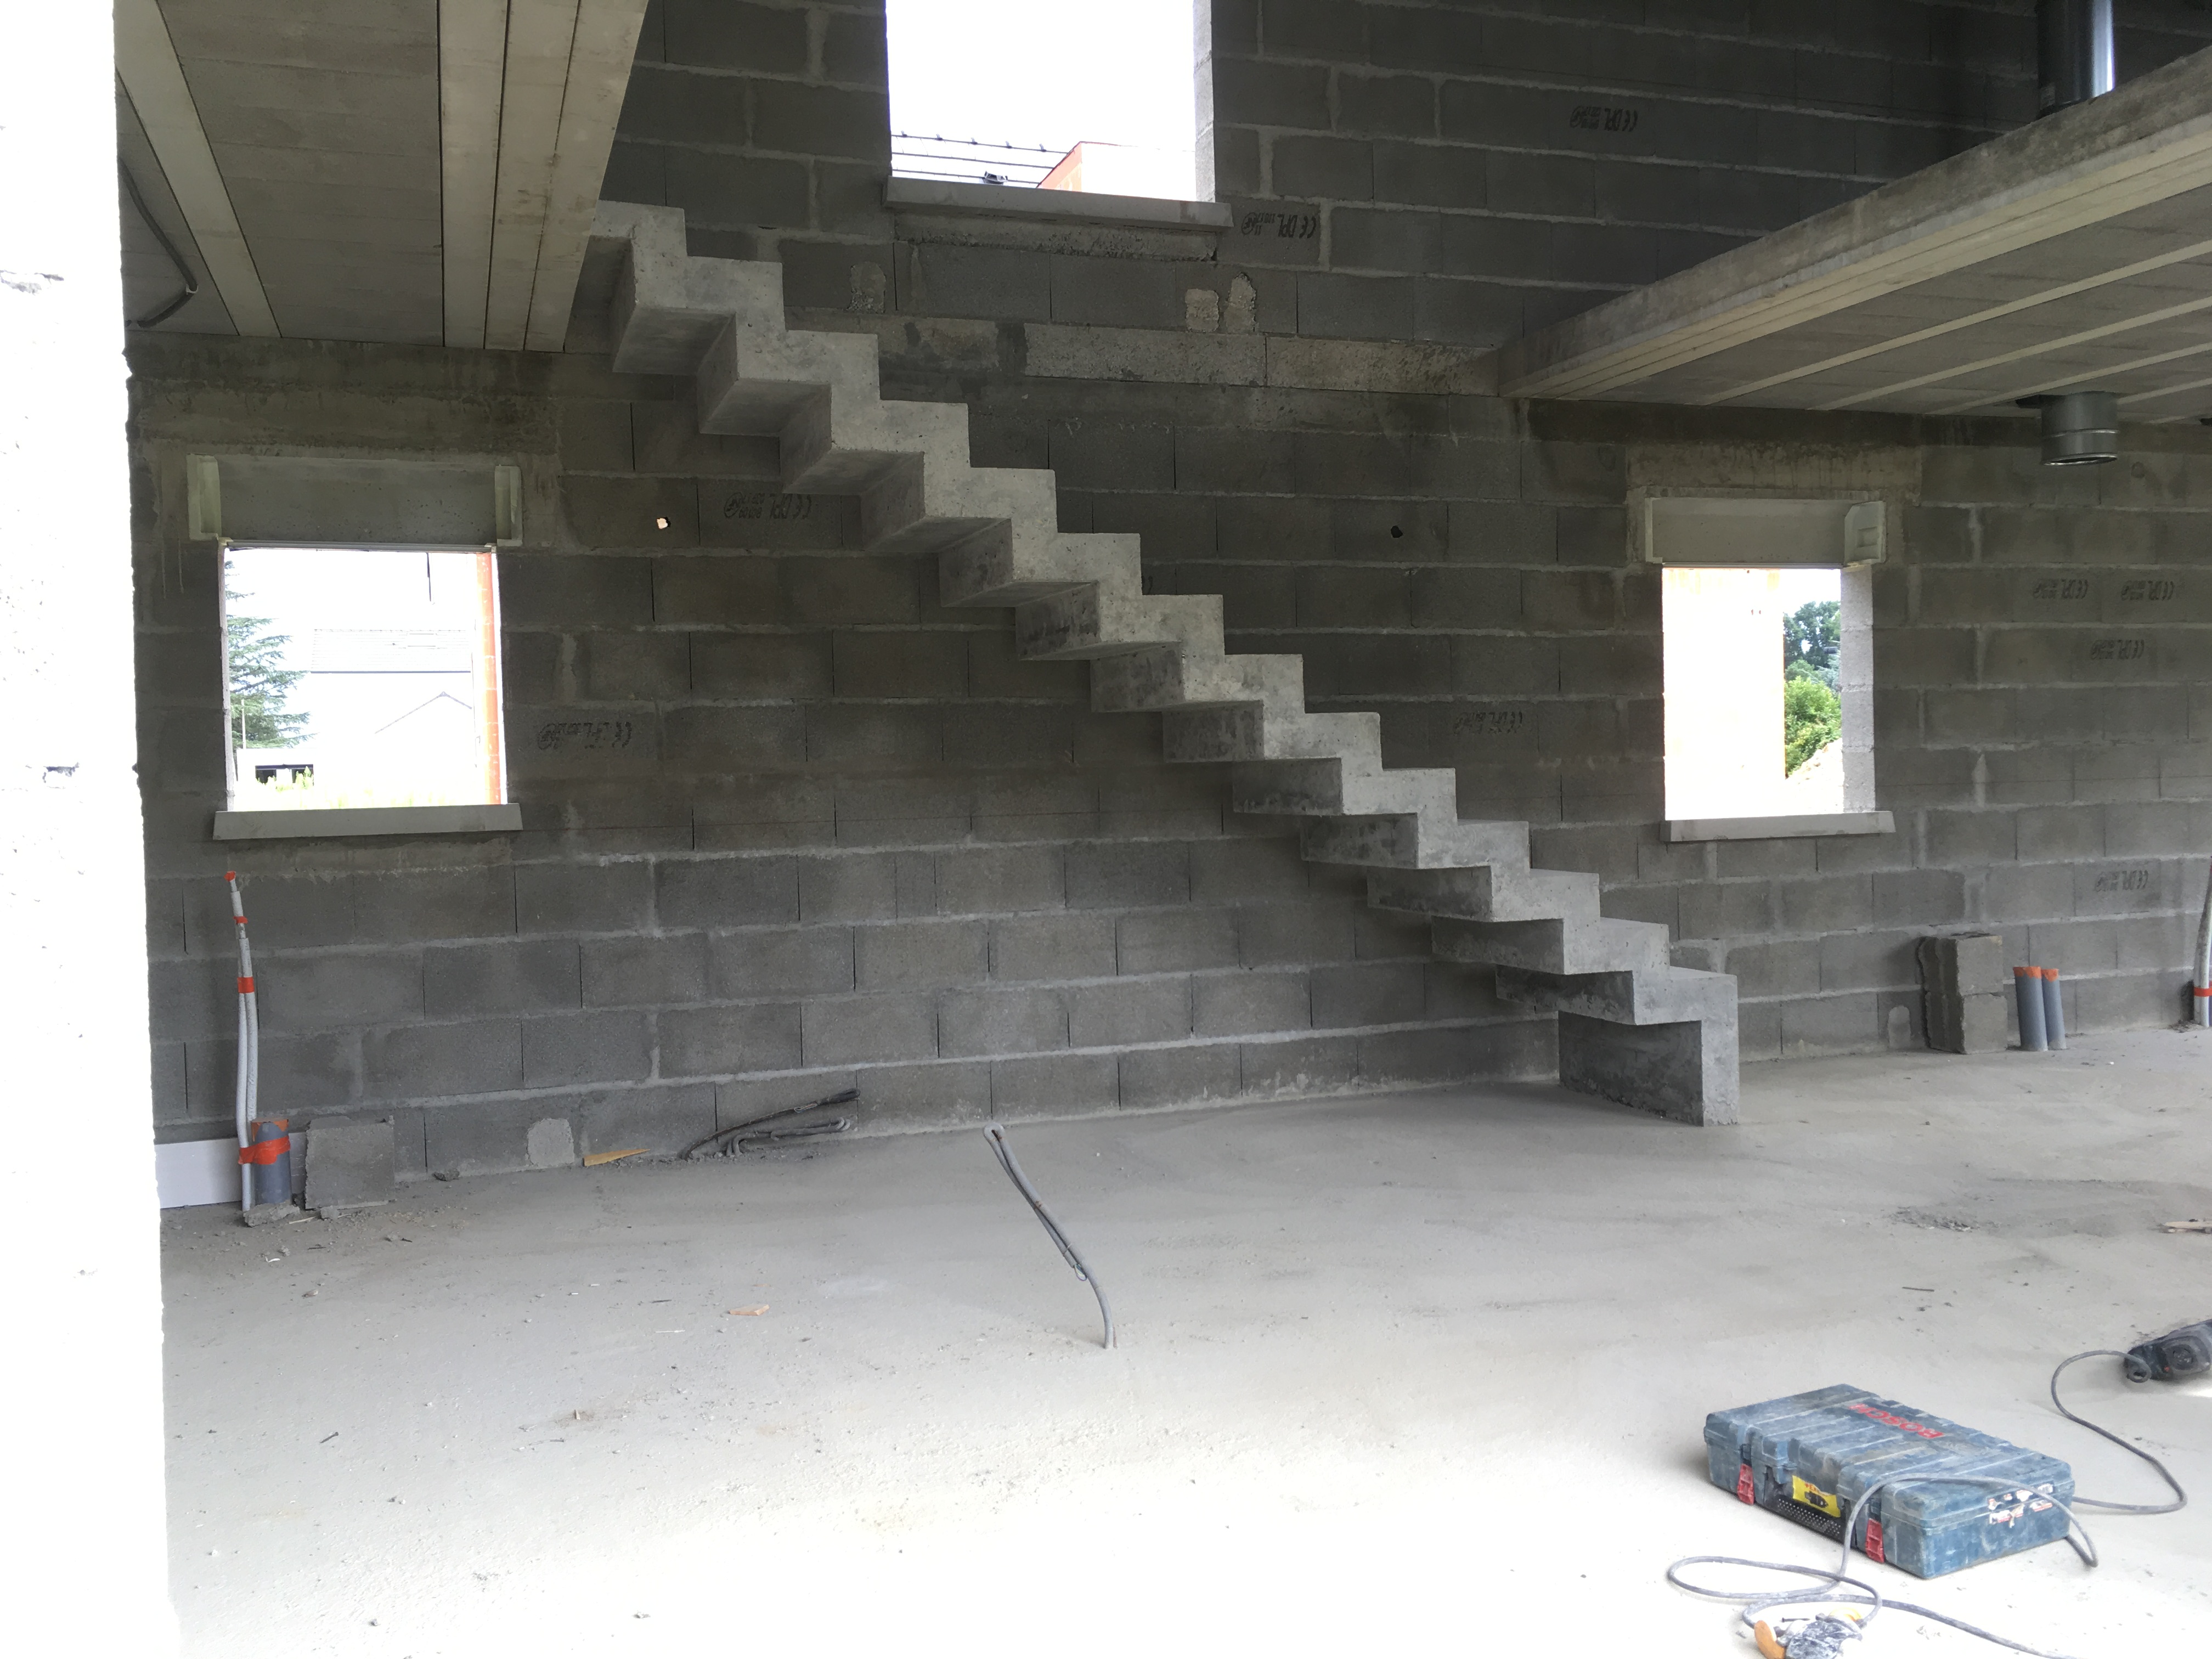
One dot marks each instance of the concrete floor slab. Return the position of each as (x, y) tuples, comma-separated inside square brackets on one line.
[(1392, 1370)]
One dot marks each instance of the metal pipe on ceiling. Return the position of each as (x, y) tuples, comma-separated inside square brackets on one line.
[(2074, 52)]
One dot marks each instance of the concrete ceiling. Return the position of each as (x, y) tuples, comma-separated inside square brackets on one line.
[(416, 171), (2073, 254)]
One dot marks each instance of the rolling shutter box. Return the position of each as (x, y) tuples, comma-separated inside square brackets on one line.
[(1756, 532), (292, 501)]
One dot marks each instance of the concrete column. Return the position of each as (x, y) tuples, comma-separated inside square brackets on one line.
[(82, 1388)]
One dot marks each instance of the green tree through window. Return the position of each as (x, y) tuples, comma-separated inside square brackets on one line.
[(260, 685), (1810, 634)]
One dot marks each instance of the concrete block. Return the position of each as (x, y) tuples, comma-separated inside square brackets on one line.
[(1130, 1011), (847, 1030), (711, 739), (633, 667), (718, 1040), (1238, 1004), (1402, 105), (302, 993), (852, 51), (1055, 1085), (1413, 1058), (298, 1073), (1247, 867), (1164, 941), (1428, 175), (727, 588), (1850, 962), (596, 1048), (726, 892), (424, 1062), (920, 955), (849, 887), (1004, 284), (1850, 1024), (1272, 934), (917, 664), (590, 898), (1301, 1066), (1343, 308), (1186, 1075), (781, 961), (352, 1164), (662, 1119), (716, 35), (1053, 947), (1367, 993), (509, 977), (1131, 873), (624, 513), (677, 108), (429, 904), (647, 970), (1000, 1022), (852, 590), (1325, 169), (809, 120), (996, 880), (937, 1094)]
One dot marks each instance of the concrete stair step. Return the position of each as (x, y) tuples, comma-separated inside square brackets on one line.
[(1554, 945), (1639, 996), (1416, 841), (1090, 622), (1486, 892), (1005, 565)]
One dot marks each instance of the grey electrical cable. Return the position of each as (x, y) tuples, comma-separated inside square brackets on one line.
[(996, 1134), (1827, 1589), (2181, 1497), (184, 271)]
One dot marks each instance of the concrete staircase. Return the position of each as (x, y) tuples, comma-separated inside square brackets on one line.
[(1631, 1027)]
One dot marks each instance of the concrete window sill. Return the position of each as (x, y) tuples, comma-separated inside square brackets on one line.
[(1781, 828), (366, 821), (1023, 202)]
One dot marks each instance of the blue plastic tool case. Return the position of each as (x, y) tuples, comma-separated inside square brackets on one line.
[(1960, 1497)]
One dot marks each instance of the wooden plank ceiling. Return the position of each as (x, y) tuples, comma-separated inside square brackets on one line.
[(2074, 254), (419, 171)]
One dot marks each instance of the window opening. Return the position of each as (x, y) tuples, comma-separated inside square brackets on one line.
[(362, 678), (1767, 691), (1097, 97)]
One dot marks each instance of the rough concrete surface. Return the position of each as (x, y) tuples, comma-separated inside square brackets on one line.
[(1427, 1366)]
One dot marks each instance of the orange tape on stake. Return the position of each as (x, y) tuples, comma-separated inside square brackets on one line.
[(245, 985), (265, 1152)]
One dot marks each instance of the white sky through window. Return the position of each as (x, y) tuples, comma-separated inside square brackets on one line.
[(1048, 74)]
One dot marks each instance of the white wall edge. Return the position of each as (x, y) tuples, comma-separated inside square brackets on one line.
[(1780, 827), (366, 821)]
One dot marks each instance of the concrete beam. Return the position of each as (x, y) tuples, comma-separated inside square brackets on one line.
[(2148, 142), (146, 63), (540, 35), (471, 68), (606, 43)]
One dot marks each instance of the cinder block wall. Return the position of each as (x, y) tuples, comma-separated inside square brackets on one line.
[(789, 825)]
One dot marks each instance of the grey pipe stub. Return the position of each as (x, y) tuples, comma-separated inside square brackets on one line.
[(2079, 429)]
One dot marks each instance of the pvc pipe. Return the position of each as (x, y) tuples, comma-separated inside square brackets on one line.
[(270, 1173), (2054, 1010), (2203, 986), (2027, 989), (249, 1049)]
